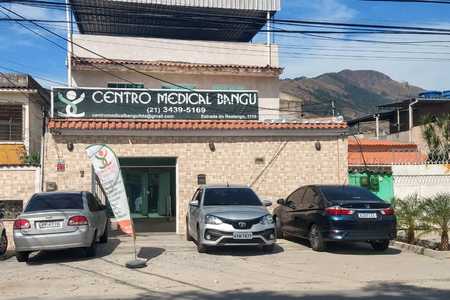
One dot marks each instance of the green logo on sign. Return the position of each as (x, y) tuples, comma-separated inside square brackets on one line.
[(71, 101), (101, 156)]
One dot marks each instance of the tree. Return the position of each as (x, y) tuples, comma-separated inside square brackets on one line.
[(410, 211), (436, 133), (437, 213)]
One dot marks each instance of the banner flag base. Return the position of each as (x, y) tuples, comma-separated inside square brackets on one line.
[(136, 264)]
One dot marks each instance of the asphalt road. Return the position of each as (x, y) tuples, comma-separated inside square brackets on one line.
[(176, 271)]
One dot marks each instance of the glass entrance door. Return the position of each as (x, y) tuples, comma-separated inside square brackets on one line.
[(151, 196)]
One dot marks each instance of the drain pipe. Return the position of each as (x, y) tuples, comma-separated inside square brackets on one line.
[(411, 121)]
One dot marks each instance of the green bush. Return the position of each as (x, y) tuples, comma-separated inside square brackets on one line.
[(32, 160), (437, 214), (410, 215)]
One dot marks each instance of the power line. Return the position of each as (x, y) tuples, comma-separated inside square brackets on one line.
[(412, 1), (289, 54), (300, 54), (222, 29), (236, 19), (90, 51), (116, 62), (32, 74), (54, 43)]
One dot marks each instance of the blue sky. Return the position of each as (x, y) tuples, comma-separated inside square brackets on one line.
[(300, 55)]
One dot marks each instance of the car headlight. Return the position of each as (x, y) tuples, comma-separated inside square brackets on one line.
[(266, 220), (213, 220)]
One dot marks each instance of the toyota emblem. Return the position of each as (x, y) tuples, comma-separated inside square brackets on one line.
[(242, 224)]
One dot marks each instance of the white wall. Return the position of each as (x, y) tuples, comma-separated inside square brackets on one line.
[(425, 180), (153, 49)]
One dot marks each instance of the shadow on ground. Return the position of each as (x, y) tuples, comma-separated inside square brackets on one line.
[(348, 248), (77, 254), (374, 291), (243, 251), (148, 253)]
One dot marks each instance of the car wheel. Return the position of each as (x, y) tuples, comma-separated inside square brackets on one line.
[(315, 239), (22, 256), (91, 251), (380, 245), (3, 244), (200, 247), (104, 237), (279, 231), (268, 248), (188, 234)]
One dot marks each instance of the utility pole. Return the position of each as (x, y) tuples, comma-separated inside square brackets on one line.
[(69, 44), (269, 38), (333, 108)]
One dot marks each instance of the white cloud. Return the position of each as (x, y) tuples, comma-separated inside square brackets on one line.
[(20, 36)]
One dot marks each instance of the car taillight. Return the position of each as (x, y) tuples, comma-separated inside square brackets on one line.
[(388, 211), (77, 221), (338, 211), (22, 224)]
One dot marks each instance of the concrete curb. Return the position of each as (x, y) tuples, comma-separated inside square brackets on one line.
[(421, 250)]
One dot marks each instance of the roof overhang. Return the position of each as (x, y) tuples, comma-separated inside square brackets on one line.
[(383, 116), (192, 128), (94, 64), (211, 20), (418, 101)]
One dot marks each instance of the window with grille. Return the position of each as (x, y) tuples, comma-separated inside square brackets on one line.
[(115, 85), (11, 123)]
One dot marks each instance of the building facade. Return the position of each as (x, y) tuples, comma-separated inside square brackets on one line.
[(23, 105), (193, 102)]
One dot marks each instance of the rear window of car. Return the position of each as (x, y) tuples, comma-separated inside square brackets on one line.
[(58, 201), (348, 193), (230, 196)]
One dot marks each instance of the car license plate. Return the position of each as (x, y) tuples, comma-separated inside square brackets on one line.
[(242, 235), (49, 224), (367, 215)]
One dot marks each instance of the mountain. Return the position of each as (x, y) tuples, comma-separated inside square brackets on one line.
[(355, 93)]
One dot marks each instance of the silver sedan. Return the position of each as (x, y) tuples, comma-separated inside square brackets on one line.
[(229, 216), (60, 220)]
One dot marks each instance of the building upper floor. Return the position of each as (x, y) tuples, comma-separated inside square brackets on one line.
[(23, 103), (207, 20), (165, 44), (172, 50), (215, 32)]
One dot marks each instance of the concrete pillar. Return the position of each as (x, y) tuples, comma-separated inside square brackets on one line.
[(377, 124)]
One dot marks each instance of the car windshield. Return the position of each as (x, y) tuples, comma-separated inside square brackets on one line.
[(348, 193), (59, 201), (230, 196)]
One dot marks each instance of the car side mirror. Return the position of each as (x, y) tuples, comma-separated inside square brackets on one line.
[(194, 203), (267, 203), (280, 201)]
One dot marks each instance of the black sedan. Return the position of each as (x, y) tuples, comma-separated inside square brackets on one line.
[(323, 213)]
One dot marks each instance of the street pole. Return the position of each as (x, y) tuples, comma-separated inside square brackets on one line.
[(269, 38), (69, 44)]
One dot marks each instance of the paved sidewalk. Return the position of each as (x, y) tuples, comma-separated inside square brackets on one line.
[(176, 271)]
